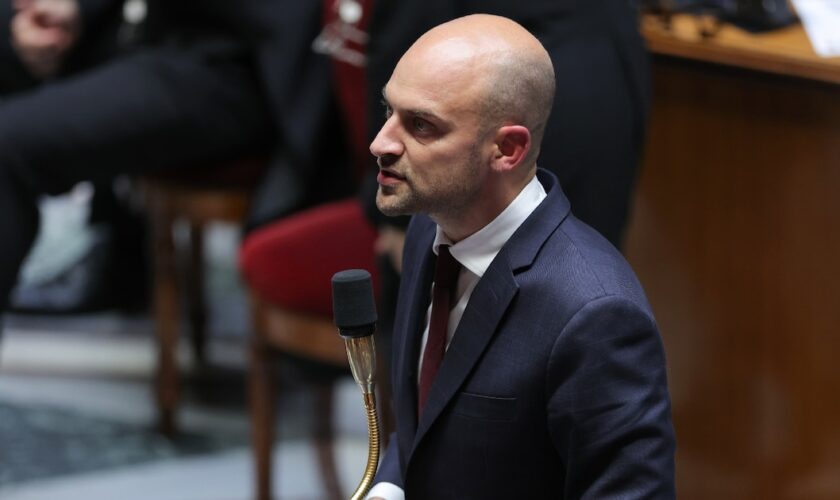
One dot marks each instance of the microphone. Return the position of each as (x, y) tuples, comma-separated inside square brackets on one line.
[(354, 309), (354, 312)]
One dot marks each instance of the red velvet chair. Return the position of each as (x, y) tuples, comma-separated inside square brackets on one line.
[(287, 267)]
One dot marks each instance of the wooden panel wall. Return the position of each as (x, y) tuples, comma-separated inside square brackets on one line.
[(735, 235)]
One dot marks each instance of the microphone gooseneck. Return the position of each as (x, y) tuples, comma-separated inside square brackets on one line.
[(354, 312)]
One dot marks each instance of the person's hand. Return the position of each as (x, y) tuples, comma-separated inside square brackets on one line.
[(390, 242), (43, 31)]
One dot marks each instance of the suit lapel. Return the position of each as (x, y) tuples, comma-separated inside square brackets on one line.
[(488, 304), (414, 293)]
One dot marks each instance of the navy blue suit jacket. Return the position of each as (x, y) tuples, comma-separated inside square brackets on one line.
[(554, 384)]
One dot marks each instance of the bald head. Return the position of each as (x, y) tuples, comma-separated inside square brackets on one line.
[(466, 109), (499, 63)]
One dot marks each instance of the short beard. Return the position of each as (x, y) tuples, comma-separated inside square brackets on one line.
[(392, 205), (448, 200)]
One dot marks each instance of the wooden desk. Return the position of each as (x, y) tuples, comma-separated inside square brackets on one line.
[(735, 235), (786, 51)]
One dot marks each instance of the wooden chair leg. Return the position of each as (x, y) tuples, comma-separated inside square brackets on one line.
[(262, 405), (195, 292), (325, 437), (165, 320)]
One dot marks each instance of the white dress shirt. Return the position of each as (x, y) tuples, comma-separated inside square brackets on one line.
[(475, 253)]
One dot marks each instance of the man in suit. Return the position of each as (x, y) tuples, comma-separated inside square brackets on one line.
[(537, 371), (593, 147)]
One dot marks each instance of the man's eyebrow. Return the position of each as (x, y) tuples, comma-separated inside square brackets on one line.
[(421, 113)]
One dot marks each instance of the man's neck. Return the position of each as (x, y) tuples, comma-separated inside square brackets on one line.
[(461, 225)]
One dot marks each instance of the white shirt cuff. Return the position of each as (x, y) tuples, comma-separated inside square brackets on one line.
[(388, 491)]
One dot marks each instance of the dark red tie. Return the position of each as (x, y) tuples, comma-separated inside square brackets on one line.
[(446, 281)]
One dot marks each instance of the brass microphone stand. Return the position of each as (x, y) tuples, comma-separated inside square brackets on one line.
[(361, 352), (354, 311)]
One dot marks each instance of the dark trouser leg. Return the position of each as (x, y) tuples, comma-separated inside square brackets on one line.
[(158, 109), (127, 246), (594, 136), (18, 210), (18, 226)]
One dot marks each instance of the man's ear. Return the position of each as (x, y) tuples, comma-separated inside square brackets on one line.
[(512, 145)]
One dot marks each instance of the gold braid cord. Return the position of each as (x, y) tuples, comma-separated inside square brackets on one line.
[(373, 448)]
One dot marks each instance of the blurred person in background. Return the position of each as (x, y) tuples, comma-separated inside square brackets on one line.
[(41, 42), (96, 88)]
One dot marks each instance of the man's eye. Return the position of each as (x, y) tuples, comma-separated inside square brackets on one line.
[(420, 125)]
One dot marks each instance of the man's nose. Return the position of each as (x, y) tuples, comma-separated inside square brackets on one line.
[(386, 142)]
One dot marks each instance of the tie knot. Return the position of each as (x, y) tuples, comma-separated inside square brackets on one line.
[(446, 269)]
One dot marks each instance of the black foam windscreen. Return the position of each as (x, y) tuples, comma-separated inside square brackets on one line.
[(354, 309)]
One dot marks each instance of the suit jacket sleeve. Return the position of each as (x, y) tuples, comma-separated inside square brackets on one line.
[(609, 410), (389, 467)]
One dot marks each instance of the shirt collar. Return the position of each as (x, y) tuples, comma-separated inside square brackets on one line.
[(478, 250)]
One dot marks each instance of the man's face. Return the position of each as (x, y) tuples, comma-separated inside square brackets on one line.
[(432, 153)]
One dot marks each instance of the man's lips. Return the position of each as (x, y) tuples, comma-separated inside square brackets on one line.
[(388, 178)]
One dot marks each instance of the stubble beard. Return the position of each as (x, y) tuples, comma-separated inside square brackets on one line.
[(449, 197), (392, 203)]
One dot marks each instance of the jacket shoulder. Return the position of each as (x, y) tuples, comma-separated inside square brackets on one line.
[(578, 264)]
